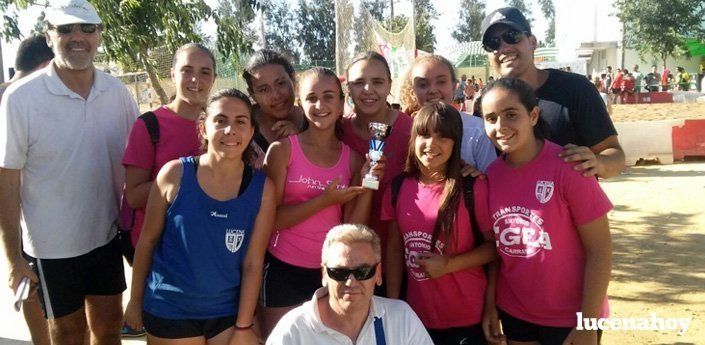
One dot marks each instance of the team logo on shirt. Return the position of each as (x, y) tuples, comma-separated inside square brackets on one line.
[(520, 234), (219, 215), (544, 191), (312, 183), (234, 239), (416, 244)]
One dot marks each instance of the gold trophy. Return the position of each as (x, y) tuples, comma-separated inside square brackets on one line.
[(378, 132)]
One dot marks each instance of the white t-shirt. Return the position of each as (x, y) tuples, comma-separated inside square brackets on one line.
[(476, 148), (303, 326), (69, 150)]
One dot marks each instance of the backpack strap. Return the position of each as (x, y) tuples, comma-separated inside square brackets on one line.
[(261, 141), (152, 124), (468, 183), (396, 187)]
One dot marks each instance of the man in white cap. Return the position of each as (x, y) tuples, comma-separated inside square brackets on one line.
[(571, 105), (62, 135)]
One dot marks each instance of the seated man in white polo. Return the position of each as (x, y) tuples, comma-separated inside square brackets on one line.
[(344, 310)]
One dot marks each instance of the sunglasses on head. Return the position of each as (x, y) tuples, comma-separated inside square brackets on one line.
[(341, 274), (509, 37), (85, 28)]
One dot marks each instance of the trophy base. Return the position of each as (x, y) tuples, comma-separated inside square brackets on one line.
[(370, 184)]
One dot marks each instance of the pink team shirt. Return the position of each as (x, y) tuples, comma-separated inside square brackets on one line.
[(533, 212), (300, 245), (456, 299), (178, 137), (396, 147)]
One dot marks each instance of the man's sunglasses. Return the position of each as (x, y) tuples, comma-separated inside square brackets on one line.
[(509, 37), (85, 28), (360, 273)]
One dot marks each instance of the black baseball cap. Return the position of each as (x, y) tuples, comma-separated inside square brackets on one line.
[(509, 16)]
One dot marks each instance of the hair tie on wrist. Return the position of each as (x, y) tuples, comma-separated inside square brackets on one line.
[(243, 328)]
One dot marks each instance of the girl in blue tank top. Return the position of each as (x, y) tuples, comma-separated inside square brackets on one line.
[(198, 262)]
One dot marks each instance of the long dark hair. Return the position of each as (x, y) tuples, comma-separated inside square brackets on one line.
[(527, 98), (249, 156), (266, 57), (444, 119)]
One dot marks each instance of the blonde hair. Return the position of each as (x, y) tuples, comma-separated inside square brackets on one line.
[(349, 234), (409, 104)]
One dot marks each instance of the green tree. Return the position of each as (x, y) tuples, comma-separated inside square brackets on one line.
[(316, 34), (239, 14), (362, 23), (659, 28), (549, 11), (281, 28), (424, 13), (523, 8), (134, 27), (376, 8), (471, 14)]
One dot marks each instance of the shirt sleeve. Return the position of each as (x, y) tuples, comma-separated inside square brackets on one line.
[(485, 152), (589, 114), (132, 110), (415, 329), (388, 212), (286, 331), (139, 151), (482, 207), (14, 133), (476, 149), (585, 198)]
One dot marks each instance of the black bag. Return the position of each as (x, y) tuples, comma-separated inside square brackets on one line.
[(126, 218)]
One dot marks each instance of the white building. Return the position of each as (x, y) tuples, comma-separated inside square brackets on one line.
[(590, 32)]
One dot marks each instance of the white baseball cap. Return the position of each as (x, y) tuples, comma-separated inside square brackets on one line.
[(71, 12)]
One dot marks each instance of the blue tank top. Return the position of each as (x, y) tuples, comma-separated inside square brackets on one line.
[(196, 267)]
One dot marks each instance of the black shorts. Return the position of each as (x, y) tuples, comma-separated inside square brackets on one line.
[(287, 285), (186, 328), (65, 283), (520, 330), (458, 335)]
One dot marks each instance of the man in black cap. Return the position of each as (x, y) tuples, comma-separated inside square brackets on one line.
[(569, 102)]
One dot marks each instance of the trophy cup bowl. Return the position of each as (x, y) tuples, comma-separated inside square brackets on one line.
[(378, 132)]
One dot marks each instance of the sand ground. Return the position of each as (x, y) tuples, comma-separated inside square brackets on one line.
[(652, 112), (658, 236)]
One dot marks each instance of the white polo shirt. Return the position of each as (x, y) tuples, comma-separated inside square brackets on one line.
[(69, 150), (303, 326)]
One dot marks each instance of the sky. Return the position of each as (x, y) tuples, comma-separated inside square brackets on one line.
[(447, 19)]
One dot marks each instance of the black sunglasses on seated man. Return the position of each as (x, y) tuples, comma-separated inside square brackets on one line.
[(342, 274)]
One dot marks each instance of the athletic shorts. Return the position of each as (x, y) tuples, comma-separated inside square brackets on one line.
[(520, 330), (186, 328), (458, 335), (65, 283), (286, 285)]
